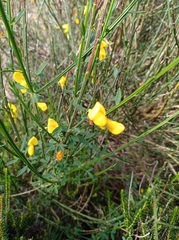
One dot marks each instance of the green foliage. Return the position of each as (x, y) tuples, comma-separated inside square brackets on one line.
[(77, 181)]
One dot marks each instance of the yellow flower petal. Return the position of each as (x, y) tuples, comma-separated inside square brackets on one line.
[(57, 27), (98, 115), (102, 54), (98, 108), (104, 44), (12, 107), (31, 150), (24, 84), (77, 21), (62, 82), (65, 28), (18, 76), (100, 120), (114, 127), (59, 155), (13, 110), (42, 106), (52, 125), (33, 141)]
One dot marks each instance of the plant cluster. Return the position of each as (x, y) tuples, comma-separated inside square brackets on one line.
[(89, 119)]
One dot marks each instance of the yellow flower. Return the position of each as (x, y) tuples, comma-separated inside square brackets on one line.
[(59, 155), (77, 21), (104, 44), (13, 110), (31, 150), (102, 51), (57, 27), (62, 81), (114, 127), (98, 115), (65, 28), (31, 143), (102, 54), (52, 125), (19, 78), (85, 10), (42, 106), (24, 84)]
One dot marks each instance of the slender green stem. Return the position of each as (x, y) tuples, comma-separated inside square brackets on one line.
[(25, 42), (155, 210)]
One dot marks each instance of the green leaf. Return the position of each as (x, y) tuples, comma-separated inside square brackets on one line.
[(116, 72), (24, 142), (75, 59), (23, 170), (35, 97), (11, 162), (79, 107), (82, 28), (20, 15), (118, 96), (41, 68)]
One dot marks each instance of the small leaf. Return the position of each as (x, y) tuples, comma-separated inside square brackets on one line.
[(79, 107), (11, 162), (116, 72), (118, 96), (24, 142), (82, 28), (20, 15), (23, 170), (75, 59), (35, 97), (41, 68)]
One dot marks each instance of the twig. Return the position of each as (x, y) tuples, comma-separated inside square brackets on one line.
[(98, 31)]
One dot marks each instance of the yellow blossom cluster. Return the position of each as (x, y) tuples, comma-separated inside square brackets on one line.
[(51, 126), (98, 115)]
